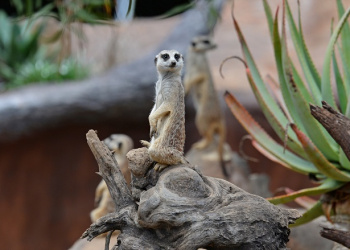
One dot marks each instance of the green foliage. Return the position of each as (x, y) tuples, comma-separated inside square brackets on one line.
[(310, 149), (22, 59), (46, 71), (89, 11), (19, 44)]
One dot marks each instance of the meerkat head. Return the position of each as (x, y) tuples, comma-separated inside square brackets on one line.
[(169, 61), (202, 44), (120, 144)]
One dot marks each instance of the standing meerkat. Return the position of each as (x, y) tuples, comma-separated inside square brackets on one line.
[(209, 118), (120, 145), (167, 118)]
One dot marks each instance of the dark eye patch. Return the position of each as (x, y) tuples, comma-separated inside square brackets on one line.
[(177, 57), (193, 44), (165, 57), (206, 41)]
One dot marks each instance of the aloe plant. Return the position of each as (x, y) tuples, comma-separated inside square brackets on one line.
[(308, 149)]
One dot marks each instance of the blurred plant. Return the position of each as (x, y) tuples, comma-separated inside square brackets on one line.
[(22, 56), (308, 149), (22, 59), (46, 71), (18, 45), (69, 14), (90, 11)]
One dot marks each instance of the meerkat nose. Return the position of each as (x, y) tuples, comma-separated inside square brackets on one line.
[(173, 63)]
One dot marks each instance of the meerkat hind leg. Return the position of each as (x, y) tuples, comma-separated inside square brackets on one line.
[(207, 138)]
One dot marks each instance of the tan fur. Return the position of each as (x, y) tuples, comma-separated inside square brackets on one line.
[(209, 118), (167, 118), (120, 145)]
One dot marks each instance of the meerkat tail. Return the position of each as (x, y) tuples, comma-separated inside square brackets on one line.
[(221, 151)]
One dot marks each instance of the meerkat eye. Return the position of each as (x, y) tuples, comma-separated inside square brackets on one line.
[(177, 57), (206, 41), (193, 44), (165, 57)]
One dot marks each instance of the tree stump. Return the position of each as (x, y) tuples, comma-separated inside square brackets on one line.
[(179, 208)]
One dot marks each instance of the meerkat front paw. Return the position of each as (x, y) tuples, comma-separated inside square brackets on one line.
[(159, 167), (145, 143)]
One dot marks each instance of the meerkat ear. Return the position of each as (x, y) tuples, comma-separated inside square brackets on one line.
[(155, 60)]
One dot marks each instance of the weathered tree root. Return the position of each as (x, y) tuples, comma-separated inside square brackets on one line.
[(181, 209), (341, 237)]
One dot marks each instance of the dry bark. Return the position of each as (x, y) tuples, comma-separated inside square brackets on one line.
[(112, 95), (179, 208), (337, 125), (341, 237)]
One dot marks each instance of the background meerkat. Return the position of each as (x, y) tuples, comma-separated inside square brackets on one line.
[(209, 118), (167, 118), (120, 145)]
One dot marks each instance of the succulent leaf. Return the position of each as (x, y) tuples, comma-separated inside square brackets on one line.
[(308, 58), (341, 88), (302, 56), (327, 94), (327, 186), (317, 158), (253, 128), (311, 214), (271, 110), (314, 130)]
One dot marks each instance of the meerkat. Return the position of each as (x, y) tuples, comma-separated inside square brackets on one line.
[(167, 118), (120, 145), (209, 118)]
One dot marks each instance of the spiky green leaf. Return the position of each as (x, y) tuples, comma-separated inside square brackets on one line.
[(327, 186), (253, 128), (269, 17), (301, 53), (317, 158), (308, 124), (327, 94), (343, 98), (270, 108), (292, 109), (308, 58), (311, 214)]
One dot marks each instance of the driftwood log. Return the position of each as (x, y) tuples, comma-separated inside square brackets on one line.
[(337, 125), (179, 208), (336, 235), (114, 95)]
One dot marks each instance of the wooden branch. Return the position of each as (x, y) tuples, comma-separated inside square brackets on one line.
[(337, 125), (110, 172), (341, 237), (179, 208), (110, 95)]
